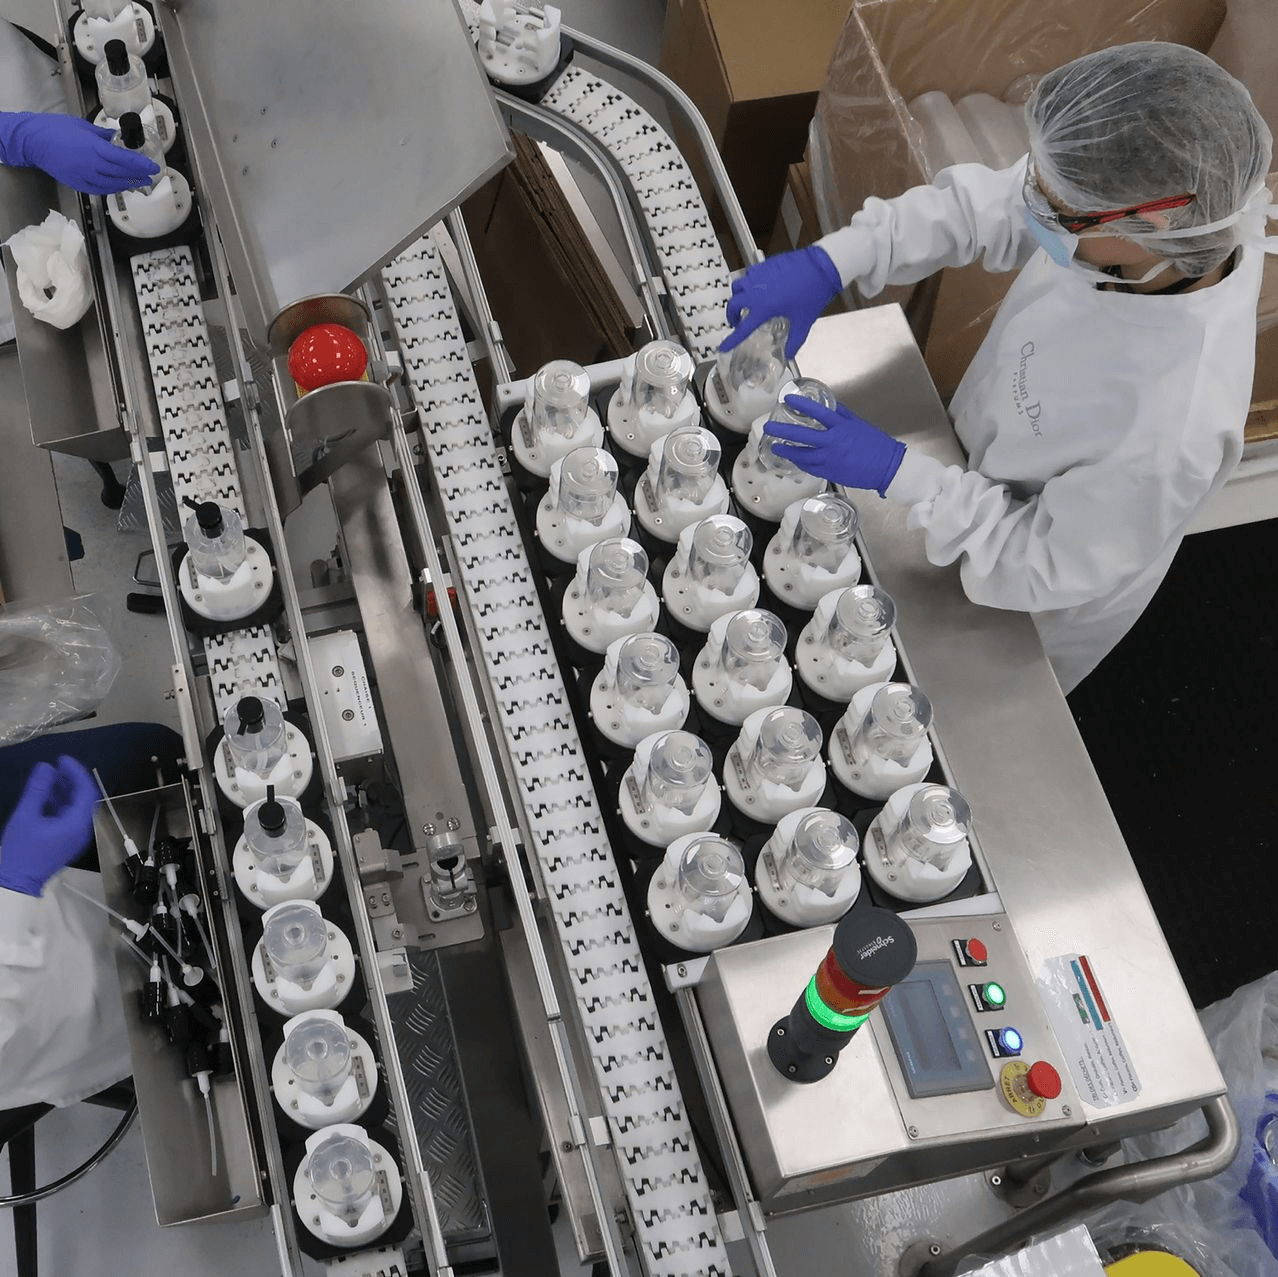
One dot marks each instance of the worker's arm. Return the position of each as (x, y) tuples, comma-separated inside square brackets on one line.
[(72, 151), (968, 212)]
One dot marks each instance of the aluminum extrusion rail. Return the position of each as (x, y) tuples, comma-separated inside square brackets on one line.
[(674, 1221)]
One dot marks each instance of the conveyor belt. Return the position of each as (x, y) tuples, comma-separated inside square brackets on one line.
[(674, 1220), (198, 444)]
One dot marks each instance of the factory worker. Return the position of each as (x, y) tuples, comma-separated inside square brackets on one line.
[(36, 132), (1107, 403), (62, 1034)]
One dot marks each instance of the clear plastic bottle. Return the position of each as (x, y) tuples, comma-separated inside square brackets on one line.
[(860, 626), (587, 485), (122, 82), (688, 468), (825, 531), (647, 668), (275, 834), (318, 1055), (104, 9), (295, 939), (749, 374), (894, 726), (616, 574), (806, 388), (932, 828), (821, 852), (663, 370), (342, 1174), (256, 734), (710, 877), (679, 768), (720, 553), (214, 535), (788, 744), (753, 647), (560, 401), (133, 135)]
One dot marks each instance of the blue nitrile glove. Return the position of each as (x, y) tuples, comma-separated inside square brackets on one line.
[(51, 825), (73, 151), (798, 285), (847, 451)]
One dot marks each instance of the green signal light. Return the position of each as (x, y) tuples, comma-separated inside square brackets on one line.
[(827, 1016), (994, 994)]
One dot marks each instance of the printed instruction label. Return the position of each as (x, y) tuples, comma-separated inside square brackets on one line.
[(1094, 1051)]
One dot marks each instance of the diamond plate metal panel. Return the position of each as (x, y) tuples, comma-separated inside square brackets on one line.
[(428, 1058)]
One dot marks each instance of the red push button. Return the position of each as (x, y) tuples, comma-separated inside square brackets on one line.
[(1043, 1080), (975, 952)]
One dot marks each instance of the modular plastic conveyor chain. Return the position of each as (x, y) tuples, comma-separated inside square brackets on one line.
[(674, 1221), (197, 444)]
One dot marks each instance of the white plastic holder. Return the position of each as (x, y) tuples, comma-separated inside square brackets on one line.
[(684, 927), (634, 429), (133, 24), (537, 455), (766, 494), (914, 880), (690, 603), (825, 671), (657, 824), (795, 902), (565, 536), (155, 115), (595, 628), (666, 524), (150, 213), (625, 724), (736, 414), (518, 44), (880, 777), (308, 881), (290, 776), (382, 1207), (797, 582), (353, 1097), (731, 700), (242, 593), (766, 801), (326, 991)]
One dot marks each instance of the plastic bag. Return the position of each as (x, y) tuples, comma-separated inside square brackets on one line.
[(1208, 1224), (57, 663), (53, 270)]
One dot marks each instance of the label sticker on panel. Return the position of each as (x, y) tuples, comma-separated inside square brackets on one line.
[(1092, 1045)]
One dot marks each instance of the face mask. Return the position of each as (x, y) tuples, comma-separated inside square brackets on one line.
[(1060, 245)]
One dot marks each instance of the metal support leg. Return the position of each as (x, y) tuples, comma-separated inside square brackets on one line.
[(1134, 1183)]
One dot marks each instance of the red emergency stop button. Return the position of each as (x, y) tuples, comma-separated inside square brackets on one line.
[(970, 953), (1043, 1080)]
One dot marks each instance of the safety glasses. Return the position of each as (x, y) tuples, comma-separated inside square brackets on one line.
[(1046, 214)]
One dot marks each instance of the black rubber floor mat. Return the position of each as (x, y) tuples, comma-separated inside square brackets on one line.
[(1181, 721)]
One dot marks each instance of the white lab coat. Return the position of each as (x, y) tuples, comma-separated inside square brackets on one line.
[(28, 82), (62, 1033), (1096, 423)]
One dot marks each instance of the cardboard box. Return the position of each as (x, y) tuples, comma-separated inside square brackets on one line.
[(796, 224), (890, 51), (753, 68)]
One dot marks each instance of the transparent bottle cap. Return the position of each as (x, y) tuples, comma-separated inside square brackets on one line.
[(647, 666), (341, 1173), (862, 618), (823, 848), (758, 363), (806, 388), (616, 573), (759, 448), (560, 398), (663, 370), (719, 552), (753, 647), (679, 767), (711, 873), (825, 531), (295, 939), (688, 467), (937, 820), (788, 743), (587, 484), (318, 1054), (896, 722)]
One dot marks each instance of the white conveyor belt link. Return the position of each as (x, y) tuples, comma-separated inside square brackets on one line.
[(674, 1220), (197, 444)]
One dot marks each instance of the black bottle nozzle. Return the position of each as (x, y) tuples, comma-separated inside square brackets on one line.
[(271, 814), (252, 715), (134, 137)]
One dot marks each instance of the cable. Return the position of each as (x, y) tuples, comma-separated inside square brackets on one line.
[(48, 1190)]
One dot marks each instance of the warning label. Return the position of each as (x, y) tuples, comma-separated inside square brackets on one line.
[(1094, 1051)]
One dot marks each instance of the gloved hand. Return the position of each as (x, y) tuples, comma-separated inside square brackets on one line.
[(51, 825), (73, 151), (798, 285), (847, 451)]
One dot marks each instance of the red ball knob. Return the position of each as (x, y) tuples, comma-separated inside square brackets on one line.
[(1043, 1080), (324, 354)]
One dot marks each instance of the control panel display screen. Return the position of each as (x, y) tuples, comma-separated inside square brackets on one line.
[(933, 1036)]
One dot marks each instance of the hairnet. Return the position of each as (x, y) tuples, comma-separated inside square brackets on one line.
[(1146, 121)]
